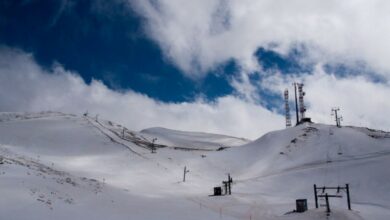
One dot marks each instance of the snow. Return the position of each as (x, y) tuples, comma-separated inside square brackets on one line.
[(61, 166), (193, 140)]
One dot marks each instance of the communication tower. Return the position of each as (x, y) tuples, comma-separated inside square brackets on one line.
[(302, 108), (287, 108), (296, 103)]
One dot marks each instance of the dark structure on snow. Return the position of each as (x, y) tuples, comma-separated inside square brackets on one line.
[(301, 205), (227, 186), (327, 196), (217, 191)]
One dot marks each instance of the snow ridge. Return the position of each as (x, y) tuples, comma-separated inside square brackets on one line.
[(61, 166)]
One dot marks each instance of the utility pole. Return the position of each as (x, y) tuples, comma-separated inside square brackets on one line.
[(296, 102), (315, 195), (338, 119), (327, 203), (185, 172), (230, 181), (228, 185), (348, 197)]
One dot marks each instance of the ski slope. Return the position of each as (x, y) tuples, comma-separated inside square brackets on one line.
[(62, 166), (193, 140)]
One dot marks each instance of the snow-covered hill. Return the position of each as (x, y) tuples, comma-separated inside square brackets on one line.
[(193, 140), (61, 166)]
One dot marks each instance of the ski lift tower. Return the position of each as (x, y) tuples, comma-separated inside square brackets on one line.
[(338, 118)]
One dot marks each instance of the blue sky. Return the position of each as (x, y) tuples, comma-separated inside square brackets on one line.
[(112, 48), (115, 49), (192, 61)]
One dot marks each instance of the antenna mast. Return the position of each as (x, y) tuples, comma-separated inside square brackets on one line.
[(296, 102), (302, 108), (287, 108)]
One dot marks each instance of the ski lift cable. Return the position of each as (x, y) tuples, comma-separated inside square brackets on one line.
[(338, 176), (329, 159), (326, 169), (339, 151)]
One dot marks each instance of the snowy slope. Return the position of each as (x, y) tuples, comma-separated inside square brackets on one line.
[(60, 166), (193, 140), (107, 180), (286, 164)]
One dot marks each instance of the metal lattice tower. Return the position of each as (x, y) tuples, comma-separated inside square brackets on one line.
[(302, 108), (287, 108)]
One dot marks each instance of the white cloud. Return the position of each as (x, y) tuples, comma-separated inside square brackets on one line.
[(198, 35), (25, 86), (244, 87), (362, 101)]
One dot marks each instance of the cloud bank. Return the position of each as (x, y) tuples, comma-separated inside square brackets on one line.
[(25, 86), (363, 101), (199, 35)]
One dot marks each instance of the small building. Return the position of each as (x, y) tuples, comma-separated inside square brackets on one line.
[(301, 205), (217, 191), (304, 120)]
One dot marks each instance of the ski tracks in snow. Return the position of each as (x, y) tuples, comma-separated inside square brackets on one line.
[(113, 136)]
